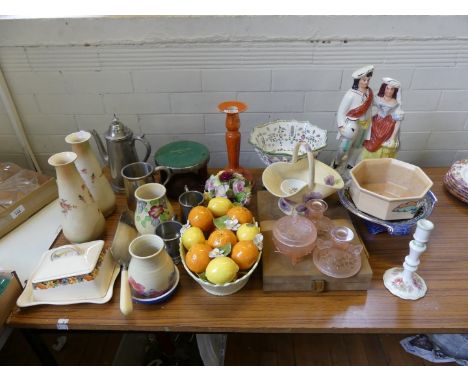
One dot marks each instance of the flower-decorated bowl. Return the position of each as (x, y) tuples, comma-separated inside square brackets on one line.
[(231, 185), (275, 141)]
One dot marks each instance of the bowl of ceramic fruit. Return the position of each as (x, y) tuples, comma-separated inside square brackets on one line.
[(221, 246)]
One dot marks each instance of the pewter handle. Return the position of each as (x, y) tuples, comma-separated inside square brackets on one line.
[(142, 139), (166, 170)]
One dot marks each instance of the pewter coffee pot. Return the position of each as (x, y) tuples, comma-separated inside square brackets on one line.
[(120, 150)]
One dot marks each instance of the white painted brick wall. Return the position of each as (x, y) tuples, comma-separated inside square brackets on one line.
[(139, 103), (172, 124), (157, 81), (236, 80), (70, 103), (112, 81), (189, 103), (170, 90), (306, 79)]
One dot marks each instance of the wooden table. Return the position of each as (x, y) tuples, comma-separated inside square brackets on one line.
[(444, 267)]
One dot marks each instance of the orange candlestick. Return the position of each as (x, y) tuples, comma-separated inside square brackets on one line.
[(233, 136)]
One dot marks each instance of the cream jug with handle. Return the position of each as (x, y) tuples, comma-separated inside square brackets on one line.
[(120, 150), (152, 207)]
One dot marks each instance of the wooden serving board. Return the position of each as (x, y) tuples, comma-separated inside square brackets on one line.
[(280, 275)]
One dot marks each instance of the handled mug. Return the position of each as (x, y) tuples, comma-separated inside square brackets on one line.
[(152, 207), (138, 173)]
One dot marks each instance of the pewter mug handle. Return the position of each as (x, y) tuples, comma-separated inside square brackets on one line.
[(142, 139), (166, 170)]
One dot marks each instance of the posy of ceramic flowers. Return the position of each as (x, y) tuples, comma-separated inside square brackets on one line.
[(231, 185)]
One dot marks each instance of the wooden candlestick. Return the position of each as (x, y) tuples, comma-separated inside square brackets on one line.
[(405, 282), (233, 136)]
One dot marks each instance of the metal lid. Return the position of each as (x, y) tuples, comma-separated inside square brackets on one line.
[(118, 131), (182, 155)]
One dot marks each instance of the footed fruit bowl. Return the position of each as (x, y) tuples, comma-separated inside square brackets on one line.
[(275, 141)]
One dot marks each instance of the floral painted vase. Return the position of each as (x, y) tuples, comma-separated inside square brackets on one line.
[(151, 271), (152, 207), (90, 170), (82, 220)]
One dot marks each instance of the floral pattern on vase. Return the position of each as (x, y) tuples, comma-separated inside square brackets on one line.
[(89, 168), (153, 210), (82, 219)]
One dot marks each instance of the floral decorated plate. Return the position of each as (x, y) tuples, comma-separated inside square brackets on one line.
[(459, 173), (275, 141)]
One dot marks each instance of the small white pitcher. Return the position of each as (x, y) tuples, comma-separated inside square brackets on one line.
[(151, 272)]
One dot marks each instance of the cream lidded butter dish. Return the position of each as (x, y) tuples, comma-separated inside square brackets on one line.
[(73, 272)]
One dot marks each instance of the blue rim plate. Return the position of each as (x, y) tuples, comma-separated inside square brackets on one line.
[(163, 297), (394, 227)]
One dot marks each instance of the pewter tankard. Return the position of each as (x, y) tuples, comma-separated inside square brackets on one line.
[(120, 151)]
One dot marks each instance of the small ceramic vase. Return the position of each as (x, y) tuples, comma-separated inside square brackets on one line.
[(315, 210), (151, 272), (82, 220), (152, 207), (90, 170)]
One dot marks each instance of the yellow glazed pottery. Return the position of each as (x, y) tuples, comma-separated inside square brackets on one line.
[(301, 180)]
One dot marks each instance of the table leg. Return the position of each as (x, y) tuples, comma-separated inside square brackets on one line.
[(39, 347)]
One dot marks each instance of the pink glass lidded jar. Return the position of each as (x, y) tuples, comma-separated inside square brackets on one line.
[(315, 211), (295, 237)]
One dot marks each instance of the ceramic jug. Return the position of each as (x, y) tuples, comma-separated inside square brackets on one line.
[(152, 207), (82, 220), (151, 272), (90, 170)]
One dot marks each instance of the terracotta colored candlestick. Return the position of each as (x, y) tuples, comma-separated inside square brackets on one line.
[(233, 136)]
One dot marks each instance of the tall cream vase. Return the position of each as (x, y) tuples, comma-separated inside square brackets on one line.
[(90, 170), (82, 220)]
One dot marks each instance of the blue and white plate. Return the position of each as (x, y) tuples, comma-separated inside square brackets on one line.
[(164, 297)]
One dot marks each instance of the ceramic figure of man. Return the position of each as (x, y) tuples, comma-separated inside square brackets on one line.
[(354, 119), (383, 141)]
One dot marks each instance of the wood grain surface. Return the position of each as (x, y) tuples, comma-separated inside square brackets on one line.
[(444, 267)]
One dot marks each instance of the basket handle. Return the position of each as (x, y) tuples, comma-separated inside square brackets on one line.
[(310, 158)]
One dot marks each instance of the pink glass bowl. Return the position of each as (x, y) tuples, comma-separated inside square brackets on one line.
[(294, 237)]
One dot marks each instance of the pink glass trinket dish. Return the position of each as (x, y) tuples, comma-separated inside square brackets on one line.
[(295, 237), (338, 257)]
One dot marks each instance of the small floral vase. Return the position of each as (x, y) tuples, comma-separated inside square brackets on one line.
[(152, 207), (82, 220), (151, 271), (90, 170)]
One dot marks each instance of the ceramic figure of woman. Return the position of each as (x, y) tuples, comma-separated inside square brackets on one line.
[(383, 141), (354, 119)]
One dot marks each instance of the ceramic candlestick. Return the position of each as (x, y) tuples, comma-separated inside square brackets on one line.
[(405, 282), (233, 136)]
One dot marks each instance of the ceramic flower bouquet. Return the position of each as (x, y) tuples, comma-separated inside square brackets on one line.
[(231, 185)]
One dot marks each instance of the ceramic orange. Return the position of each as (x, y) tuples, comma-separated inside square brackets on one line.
[(242, 214), (221, 237), (202, 218), (245, 254), (197, 258)]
